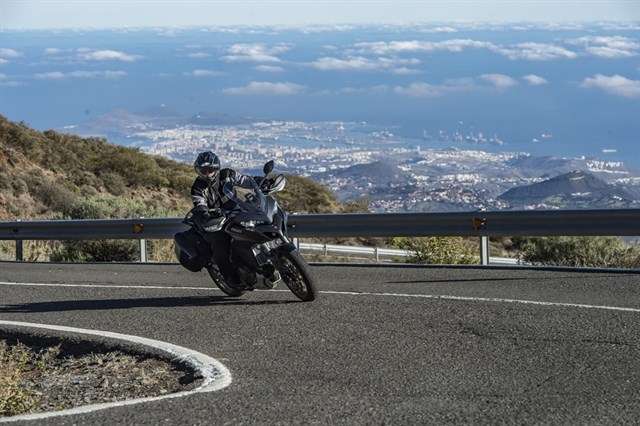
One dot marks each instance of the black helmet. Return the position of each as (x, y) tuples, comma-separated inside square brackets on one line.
[(207, 165)]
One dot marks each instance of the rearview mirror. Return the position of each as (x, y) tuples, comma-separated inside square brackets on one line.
[(278, 184), (268, 167)]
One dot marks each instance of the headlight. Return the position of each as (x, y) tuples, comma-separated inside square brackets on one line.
[(249, 223)]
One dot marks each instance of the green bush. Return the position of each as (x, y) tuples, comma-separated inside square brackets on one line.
[(5, 181), (19, 186), (111, 207), (577, 251), (114, 183), (97, 251), (104, 207), (438, 250), (54, 195), (304, 195)]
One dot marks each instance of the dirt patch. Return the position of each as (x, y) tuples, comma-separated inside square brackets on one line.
[(46, 377)]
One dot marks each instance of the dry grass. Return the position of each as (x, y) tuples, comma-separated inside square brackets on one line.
[(16, 362)]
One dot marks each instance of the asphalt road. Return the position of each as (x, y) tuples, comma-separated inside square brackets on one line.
[(366, 358)]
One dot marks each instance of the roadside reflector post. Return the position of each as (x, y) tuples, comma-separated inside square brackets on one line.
[(19, 251), (143, 250), (325, 249), (484, 250), (138, 228), (375, 251)]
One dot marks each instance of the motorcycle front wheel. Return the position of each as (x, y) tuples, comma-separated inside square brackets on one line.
[(219, 280), (296, 275)]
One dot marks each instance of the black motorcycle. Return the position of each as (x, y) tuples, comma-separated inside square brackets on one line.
[(260, 250)]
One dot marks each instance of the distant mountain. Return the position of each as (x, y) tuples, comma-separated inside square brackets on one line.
[(576, 189), (217, 119), (534, 166), (530, 166), (379, 173), (120, 124)]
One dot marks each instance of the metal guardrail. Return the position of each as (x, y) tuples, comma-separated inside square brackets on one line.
[(621, 222)]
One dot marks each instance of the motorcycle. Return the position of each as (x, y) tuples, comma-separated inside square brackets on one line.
[(260, 248)]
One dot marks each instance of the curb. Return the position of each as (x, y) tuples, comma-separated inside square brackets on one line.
[(214, 374)]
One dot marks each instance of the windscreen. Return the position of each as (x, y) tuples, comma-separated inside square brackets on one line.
[(245, 193)]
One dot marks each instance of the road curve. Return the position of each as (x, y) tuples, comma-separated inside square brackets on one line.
[(377, 346)]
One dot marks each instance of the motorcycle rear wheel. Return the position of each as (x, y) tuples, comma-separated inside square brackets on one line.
[(219, 281), (296, 275)]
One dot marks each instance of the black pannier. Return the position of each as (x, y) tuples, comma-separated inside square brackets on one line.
[(192, 251)]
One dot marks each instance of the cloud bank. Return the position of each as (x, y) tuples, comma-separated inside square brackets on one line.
[(266, 88), (614, 84), (534, 80), (269, 68), (203, 73), (7, 53), (499, 81), (58, 75), (106, 55), (255, 52), (608, 46), (360, 63)]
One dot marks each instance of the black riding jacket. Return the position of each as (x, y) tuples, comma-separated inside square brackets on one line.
[(208, 195)]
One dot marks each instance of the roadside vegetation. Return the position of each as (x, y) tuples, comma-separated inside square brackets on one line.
[(607, 252), (34, 379), (438, 250)]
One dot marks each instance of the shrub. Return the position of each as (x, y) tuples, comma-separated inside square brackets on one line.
[(19, 186), (54, 195), (5, 181), (439, 250), (161, 251), (577, 251), (304, 195), (97, 251), (104, 207), (114, 183), (108, 207), (360, 205), (14, 397)]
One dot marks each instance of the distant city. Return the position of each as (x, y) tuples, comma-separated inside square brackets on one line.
[(358, 160)]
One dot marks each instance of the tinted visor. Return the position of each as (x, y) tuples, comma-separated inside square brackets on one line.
[(208, 170)]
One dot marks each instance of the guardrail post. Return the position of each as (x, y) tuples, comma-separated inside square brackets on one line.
[(484, 250), (19, 251), (325, 251), (143, 251), (375, 252)]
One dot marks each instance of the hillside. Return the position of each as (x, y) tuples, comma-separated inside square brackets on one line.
[(378, 172), (53, 175), (576, 189)]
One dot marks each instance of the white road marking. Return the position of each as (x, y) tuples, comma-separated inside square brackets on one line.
[(487, 299), (215, 375), (354, 293)]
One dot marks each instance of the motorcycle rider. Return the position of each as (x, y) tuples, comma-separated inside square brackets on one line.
[(209, 200)]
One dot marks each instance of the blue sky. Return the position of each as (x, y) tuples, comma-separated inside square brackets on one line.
[(120, 13)]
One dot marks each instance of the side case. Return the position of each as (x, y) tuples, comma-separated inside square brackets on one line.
[(192, 251)]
